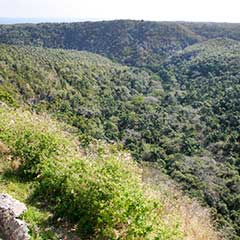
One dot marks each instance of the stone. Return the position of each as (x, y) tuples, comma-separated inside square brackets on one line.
[(12, 228), (6, 201)]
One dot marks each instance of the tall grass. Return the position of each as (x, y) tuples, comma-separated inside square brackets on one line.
[(196, 222)]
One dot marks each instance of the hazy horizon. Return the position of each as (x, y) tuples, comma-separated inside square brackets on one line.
[(12, 20), (18, 11)]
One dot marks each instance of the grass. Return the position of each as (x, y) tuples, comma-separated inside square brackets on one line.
[(196, 222), (96, 195), (39, 219)]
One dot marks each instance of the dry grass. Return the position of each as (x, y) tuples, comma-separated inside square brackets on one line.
[(4, 158), (195, 220), (3, 148)]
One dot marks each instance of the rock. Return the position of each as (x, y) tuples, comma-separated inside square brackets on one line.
[(6, 201), (11, 227)]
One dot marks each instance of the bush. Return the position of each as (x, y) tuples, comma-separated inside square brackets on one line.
[(104, 196), (33, 148), (101, 192), (30, 140), (6, 97)]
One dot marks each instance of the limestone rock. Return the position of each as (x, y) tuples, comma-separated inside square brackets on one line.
[(10, 227)]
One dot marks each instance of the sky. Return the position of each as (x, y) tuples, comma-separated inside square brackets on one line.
[(157, 10)]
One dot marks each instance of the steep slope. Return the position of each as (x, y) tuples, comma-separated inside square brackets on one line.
[(82, 88), (206, 77), (92, 193)]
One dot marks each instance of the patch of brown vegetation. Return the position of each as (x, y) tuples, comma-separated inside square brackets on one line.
[(15, 164), (3, 148), (195, 221)]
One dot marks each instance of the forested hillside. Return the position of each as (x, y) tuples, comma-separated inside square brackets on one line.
[(179, 110), (206, 77), (129, 42), (138, 43)]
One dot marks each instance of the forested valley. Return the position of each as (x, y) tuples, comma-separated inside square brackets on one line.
[(168, 93)]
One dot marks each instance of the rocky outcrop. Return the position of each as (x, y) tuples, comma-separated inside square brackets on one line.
[(12, 228)]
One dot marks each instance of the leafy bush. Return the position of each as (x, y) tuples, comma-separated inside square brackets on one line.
[(29, 143), (101, 192), (6, 97), (103, 196)]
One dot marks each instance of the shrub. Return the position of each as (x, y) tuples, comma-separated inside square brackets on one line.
[(104, 196), (101, 192), (6, 97), (30, 140)]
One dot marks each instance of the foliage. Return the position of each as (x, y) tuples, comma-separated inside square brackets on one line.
[(28, 145), (135, 43), (181, 110), (207, 76), (131, 42), (101, 192)]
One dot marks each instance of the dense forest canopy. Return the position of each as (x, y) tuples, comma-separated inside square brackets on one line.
[(176, 104), (136, 43)]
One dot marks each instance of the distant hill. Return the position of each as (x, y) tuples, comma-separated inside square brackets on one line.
[(137, 43), (129, 42)]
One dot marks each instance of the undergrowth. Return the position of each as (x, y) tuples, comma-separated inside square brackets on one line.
[(100, 191)]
